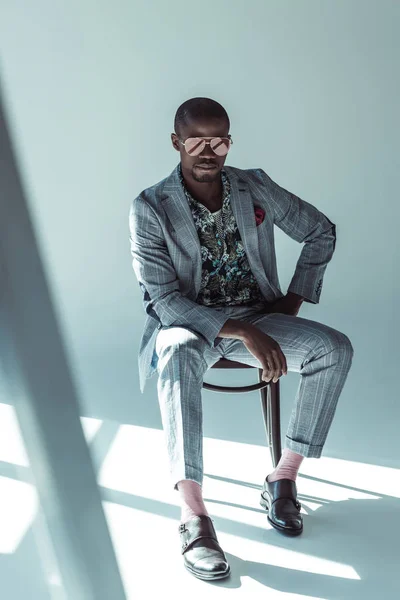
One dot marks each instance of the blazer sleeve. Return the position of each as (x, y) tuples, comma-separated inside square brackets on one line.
[(305, 224), (158, 280)]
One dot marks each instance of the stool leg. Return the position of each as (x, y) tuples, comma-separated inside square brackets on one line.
[(265, 410), (275, 423)]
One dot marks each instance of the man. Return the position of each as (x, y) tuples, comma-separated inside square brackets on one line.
[(202, 242)]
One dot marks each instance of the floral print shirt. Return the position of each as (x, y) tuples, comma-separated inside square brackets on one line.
[(226, 276)]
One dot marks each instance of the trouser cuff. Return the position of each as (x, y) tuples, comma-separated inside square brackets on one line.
[(190, 473), (306, 450)]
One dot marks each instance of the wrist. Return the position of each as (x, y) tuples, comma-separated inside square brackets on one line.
[(244, 330), (295, 297), (236, 329)]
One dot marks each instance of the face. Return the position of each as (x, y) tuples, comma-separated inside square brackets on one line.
[(191, 165)]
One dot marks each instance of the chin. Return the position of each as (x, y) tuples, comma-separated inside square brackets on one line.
[(206, 177)]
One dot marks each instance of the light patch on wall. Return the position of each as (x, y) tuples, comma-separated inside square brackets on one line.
[(18, 507), (12, 449)]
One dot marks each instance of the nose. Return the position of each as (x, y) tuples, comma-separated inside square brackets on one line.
[(207, 152)]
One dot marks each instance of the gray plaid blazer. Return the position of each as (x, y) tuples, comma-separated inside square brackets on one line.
[(165, 249)]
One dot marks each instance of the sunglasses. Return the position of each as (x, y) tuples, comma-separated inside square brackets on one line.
[(194, 146)]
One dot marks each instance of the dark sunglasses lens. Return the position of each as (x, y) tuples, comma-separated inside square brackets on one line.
[(220, 146), (194, 146)]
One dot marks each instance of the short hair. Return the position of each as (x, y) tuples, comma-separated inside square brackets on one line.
[(198, 108)]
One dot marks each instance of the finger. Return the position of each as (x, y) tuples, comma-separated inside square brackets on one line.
[(272, 374), (277, 364), (266, 374), (283, 361), (280, 358)]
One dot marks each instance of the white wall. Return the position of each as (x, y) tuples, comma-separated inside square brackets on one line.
[(312, 91)]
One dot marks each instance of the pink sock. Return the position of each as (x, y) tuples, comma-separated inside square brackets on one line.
[(192, 503), (287, 467)]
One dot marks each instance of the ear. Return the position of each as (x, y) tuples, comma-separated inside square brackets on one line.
[(175, 141)]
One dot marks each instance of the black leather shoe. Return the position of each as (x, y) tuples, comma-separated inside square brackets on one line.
[(202, 554), (279, 498)]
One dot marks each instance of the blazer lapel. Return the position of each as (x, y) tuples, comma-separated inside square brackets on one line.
[(178, 211), (243, 210)]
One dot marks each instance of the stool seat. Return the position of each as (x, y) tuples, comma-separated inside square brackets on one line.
[(270, 402), (225, 363)]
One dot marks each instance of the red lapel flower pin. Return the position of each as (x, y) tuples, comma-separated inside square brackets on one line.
[(259, 214)]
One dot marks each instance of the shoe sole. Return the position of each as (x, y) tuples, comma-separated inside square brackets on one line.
[(211, 576), (284, 530)]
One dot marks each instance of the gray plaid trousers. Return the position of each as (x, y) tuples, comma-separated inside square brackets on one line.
[(322, 355)]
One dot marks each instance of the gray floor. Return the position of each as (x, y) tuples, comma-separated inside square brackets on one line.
[(349, 548)]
